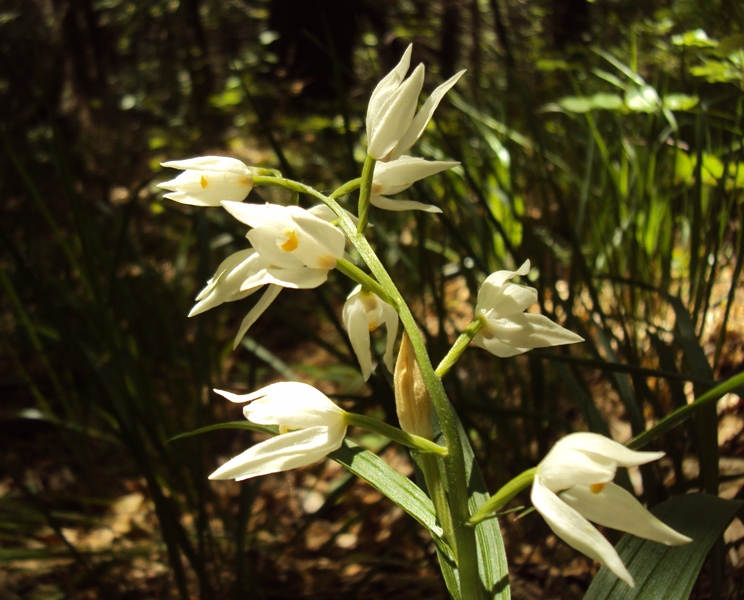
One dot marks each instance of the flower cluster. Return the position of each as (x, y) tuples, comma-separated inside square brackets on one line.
[(291, 247), (574, 485)]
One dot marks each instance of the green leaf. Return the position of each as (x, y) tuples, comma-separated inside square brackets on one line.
[(492, 561), (369, 467), (230, 425), (401, 490), (695, 39), (576, 104), (642, 99), (668, 572), (680, 101), (607, 101)]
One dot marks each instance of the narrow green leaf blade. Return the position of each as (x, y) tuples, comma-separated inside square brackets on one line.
[(401, 490), (662, 571)]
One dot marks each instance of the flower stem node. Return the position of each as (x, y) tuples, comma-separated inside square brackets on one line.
[(393, 125), (573, 486), (208, 180), (310, 424), (507, 329), (363, 313)]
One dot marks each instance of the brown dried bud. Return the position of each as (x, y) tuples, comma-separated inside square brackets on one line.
[(412, 401)]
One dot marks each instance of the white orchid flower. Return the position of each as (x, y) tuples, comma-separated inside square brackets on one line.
[(398, 175), (574, 485), (364, 312), (310, 427), (507, 329), (292, 248), (393, 125), (208, 180)]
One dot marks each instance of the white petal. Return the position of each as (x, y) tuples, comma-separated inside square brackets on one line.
[(258, 309), (618, 509), (576, 531), (393, 116), (531, 331), (355, 321), (228, 264), (293, 404), (421, 120), (320, 244), (389, 83), (498, 278), (562, 468), (256, 215), (210, 163), (227, 285), (596, 444), (496, 346), (282, 453), (496, 302), (191, 199), (398, 175), (399, 205), (300, 278)]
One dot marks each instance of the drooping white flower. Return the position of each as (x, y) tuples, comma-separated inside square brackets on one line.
[(393, 125), (574, 485), (507, 329), (310, 427), (364, 312), (208, 180), (398, 175), (292, 248)]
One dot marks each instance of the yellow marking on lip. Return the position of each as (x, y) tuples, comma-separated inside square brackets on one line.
[(292, 242), (203, 181), (596, 488)]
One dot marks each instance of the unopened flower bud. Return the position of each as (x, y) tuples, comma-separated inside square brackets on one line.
[(412, 401)]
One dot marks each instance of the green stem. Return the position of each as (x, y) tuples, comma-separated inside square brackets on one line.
[(457, 484), (364, 193), (356, 274), (397, 435), (460, 345), (347, 188), (500, 498), (430, 468)]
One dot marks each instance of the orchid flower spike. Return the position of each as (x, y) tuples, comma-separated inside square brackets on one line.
[(574, 485), (364, 312), (310, 427), (207, 180), (507, 329), (292, 248), (400, 174), (392, 127)]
